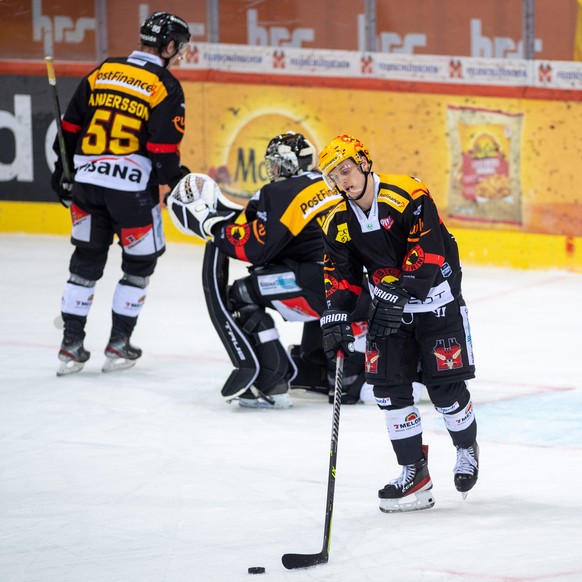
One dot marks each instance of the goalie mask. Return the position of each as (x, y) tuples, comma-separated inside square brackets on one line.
[(288, 154), (342, 148)]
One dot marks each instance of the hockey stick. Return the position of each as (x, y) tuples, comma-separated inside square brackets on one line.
[(294, 561), (52, 79)]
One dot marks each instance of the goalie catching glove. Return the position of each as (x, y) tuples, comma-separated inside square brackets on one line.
[(386, 310), (337, 333), (197, 206)]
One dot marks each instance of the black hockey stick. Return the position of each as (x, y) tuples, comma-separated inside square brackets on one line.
[(52, 79), (294, 561)]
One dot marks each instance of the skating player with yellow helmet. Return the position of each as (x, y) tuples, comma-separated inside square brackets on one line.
[(388, 226)]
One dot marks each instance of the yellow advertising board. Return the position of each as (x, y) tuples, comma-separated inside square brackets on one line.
[(490, 162)]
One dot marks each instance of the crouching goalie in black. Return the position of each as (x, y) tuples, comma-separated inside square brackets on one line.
[(279, 234), (418, 329)]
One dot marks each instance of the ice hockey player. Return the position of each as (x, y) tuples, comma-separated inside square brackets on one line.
[(418, 330), (279, 235), (122, 129)]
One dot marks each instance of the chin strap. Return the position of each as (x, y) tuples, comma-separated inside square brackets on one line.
[(366, 175)]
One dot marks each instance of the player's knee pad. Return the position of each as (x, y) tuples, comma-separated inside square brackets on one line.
[(453, 401), (403, 423), (135, 281), (88, 263), (139, 266), (393, 397), (128, 300), (240, 296)]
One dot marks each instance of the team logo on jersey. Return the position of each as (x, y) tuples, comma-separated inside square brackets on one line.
[(387, 222), (343, 234), (331, 285), (238, 234), (372, 357), (414, 259), (385, 275), (448, 357)]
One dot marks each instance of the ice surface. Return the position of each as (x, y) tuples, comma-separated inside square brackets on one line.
[(149, 476)]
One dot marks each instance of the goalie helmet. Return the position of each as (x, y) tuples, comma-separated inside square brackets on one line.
[(161, 27), (342, 148), (288, 154)]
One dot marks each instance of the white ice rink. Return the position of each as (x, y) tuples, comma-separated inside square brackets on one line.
[(149, 476)]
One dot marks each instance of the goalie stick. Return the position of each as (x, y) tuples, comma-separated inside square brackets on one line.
[(52, 79), (294, 561)]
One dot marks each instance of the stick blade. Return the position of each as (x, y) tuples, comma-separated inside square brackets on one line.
[(296, 561)]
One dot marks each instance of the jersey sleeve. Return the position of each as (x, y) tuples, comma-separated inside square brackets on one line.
[(425, 249), (166, 130)]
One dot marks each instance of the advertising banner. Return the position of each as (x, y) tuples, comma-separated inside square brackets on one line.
[(490, 162)]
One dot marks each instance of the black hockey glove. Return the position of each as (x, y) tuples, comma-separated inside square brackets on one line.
[(337, 333), (62, 188), (386, 310)]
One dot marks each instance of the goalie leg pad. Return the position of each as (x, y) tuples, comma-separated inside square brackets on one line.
[(311, 374), (276, 368), (237, 345)]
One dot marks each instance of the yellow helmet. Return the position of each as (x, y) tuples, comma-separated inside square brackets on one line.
[(339, 149)]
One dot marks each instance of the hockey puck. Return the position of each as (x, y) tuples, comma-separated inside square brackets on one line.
[(256, 570)]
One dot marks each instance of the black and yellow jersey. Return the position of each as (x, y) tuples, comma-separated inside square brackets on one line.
[(282, 221), (401, 240), (124, 124)]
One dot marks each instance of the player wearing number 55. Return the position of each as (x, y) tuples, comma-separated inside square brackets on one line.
[(122, 130)]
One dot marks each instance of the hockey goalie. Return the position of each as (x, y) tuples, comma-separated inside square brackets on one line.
[(279, 235)]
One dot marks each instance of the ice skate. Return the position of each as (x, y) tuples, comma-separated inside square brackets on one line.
[(467, 468), (249, 399), (120, 354), (72, 356), (409, 492)]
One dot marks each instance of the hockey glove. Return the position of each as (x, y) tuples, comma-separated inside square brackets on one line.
[(386, 310), (197, 219), (62, 188), (337, 333), (196, 207)]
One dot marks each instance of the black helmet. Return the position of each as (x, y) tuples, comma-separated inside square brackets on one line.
[(288, 154), (161, 27)]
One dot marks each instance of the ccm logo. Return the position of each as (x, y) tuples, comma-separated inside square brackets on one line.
[(334, 318)]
